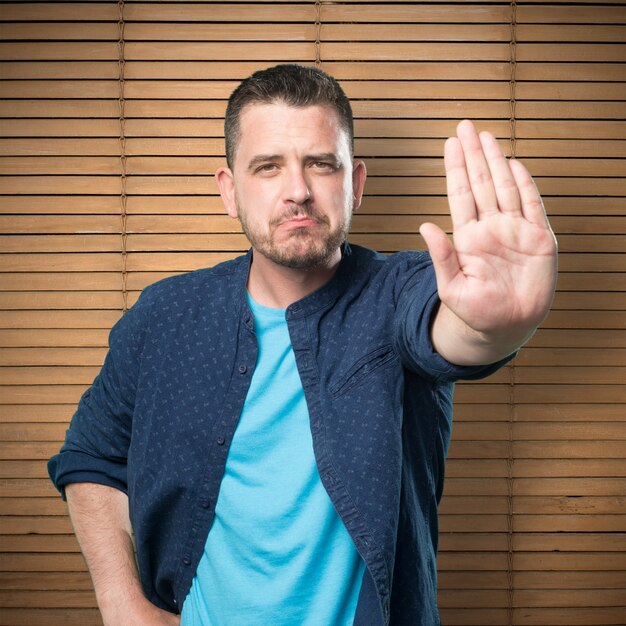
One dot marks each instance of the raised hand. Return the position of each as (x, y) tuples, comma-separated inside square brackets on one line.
[(498, 274)]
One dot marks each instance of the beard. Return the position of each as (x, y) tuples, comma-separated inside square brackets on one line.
[(300, 248)]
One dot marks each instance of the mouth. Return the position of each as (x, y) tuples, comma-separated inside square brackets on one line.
[(300, 222)]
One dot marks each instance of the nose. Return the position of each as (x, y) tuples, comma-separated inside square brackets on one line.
[(296, 188)]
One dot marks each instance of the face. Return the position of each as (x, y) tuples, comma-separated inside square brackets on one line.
[(293, 185)]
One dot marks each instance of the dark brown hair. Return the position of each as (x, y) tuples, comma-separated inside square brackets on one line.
[(294, 85)]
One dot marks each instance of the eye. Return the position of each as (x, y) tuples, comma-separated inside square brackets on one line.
[(324, 166), (266, 167)]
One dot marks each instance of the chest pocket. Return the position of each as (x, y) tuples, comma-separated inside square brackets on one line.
[(363, 368)]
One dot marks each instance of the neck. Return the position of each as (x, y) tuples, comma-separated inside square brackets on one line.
[(276, 286)]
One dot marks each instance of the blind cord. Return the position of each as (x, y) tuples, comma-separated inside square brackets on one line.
[(511, 367), (513, 69), (318, 33), (122, 138)]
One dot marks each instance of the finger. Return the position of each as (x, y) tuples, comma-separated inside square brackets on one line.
[(443, 255), (481, 181), (532, 205), (507, 193), (460, 197)]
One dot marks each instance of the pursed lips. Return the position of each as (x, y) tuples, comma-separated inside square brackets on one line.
[(305, 220), (300, 221)]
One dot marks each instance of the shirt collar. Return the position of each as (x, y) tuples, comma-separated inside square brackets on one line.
[(319, 299)]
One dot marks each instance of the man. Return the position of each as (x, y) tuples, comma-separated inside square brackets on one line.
[(278, 424)]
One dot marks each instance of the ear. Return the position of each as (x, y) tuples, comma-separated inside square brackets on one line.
[(226, 184), (359, 174)]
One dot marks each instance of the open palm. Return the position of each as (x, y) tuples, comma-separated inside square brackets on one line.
[(499, 271)]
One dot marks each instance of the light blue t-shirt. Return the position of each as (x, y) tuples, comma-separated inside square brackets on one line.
[(277, 552)]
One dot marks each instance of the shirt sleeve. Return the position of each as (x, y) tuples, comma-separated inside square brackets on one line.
[(417, 303), (96, 443)]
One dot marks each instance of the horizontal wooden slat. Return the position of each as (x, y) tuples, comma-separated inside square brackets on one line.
[(531, 523), (208, 31), (159, 262), (534, 487), (56, 375), (16, 525), (71, 281), (150, 165), (72, 300), (61, 11), (43, 338), (535, 617), (46, 616), (533, 580), (539, 505), (48, 599), (45, 581), (539, 412), (573, 15), (552, 599), (211, 205), (59, 319), (25, 469), (345, 71), (351, 10), (98, 31), (196, 224), (305, 51), (303, 31), (37, 412), (366, 147), (571, 356), (282, 12), (341, 70), (237, 242), (44, 562), (90, 204), (535, 450), (60, 69), (364, 128)]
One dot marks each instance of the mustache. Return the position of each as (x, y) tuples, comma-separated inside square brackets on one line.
[(299, 210)]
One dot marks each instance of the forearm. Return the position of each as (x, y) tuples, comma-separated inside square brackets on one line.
[(460, 344), (101, 522)]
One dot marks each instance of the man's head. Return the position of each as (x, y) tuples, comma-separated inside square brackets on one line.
[(291, 181), (294, 85)]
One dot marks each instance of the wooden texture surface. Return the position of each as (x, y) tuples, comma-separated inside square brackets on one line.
[(533, 520)]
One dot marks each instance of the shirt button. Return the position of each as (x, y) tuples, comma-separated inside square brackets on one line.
[(186, 561), (220, 440), (243, 369), (205, 504)]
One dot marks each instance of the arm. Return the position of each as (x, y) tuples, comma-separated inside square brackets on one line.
[(496, 279), (101, 523)]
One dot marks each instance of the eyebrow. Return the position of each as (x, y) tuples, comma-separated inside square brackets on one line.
[(263, 158), (325, 156), (268, 158)]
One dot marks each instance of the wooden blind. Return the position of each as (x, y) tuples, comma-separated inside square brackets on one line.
[(111, 129)]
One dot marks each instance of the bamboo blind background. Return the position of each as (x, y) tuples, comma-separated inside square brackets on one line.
[(111, 130)]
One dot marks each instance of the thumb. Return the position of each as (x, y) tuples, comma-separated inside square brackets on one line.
[(442, 253)]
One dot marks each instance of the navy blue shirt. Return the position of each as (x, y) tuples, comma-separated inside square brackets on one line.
[(159, 418)]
